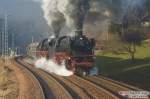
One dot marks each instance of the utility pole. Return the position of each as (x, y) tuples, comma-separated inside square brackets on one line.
[(5, 50), (13, 41), (32, 39), (11, 49), (3, 33), (32, 47)]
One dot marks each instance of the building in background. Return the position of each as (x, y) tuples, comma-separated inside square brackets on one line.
[(31, 49)]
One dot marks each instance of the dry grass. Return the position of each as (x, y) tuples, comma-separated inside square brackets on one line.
[(8, 88)]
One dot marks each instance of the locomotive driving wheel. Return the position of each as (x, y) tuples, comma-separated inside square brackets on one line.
[(81, 71), (67, 64)]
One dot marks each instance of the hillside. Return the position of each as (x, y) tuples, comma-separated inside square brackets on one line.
[(121, 68)]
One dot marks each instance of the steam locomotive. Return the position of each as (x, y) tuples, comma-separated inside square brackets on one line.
[(76, 52)]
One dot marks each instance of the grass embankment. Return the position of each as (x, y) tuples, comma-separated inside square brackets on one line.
[(121, 68)]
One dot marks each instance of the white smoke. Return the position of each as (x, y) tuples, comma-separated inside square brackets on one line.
[(51, 67), (55, 13), (52, 12), (69, 13)]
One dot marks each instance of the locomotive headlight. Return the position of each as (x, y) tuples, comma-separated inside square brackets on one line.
[(81, 38), (69, 58)]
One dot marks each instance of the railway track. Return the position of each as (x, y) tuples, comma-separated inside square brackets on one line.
[(76, 90), (111, 86), (53, 89), (28, 79), (91, 88), (57, 89), (76, 87), (119, 83), (80, 91), (85, 90)]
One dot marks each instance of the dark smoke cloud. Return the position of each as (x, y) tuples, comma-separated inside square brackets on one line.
[(77, 10), (58, 22), (102, 12), (94, 16)]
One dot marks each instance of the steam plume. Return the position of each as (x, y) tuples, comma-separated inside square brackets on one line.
[(72, 13), (76, 11), (53, 16), (51, 67), (59, 13)]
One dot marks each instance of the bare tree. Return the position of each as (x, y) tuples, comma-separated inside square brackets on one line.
[(132, 35), (132, 40)]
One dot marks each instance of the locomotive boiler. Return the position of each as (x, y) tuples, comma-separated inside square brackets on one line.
[(76, 52)]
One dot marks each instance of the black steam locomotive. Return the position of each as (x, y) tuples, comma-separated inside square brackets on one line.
[(77, 51)]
